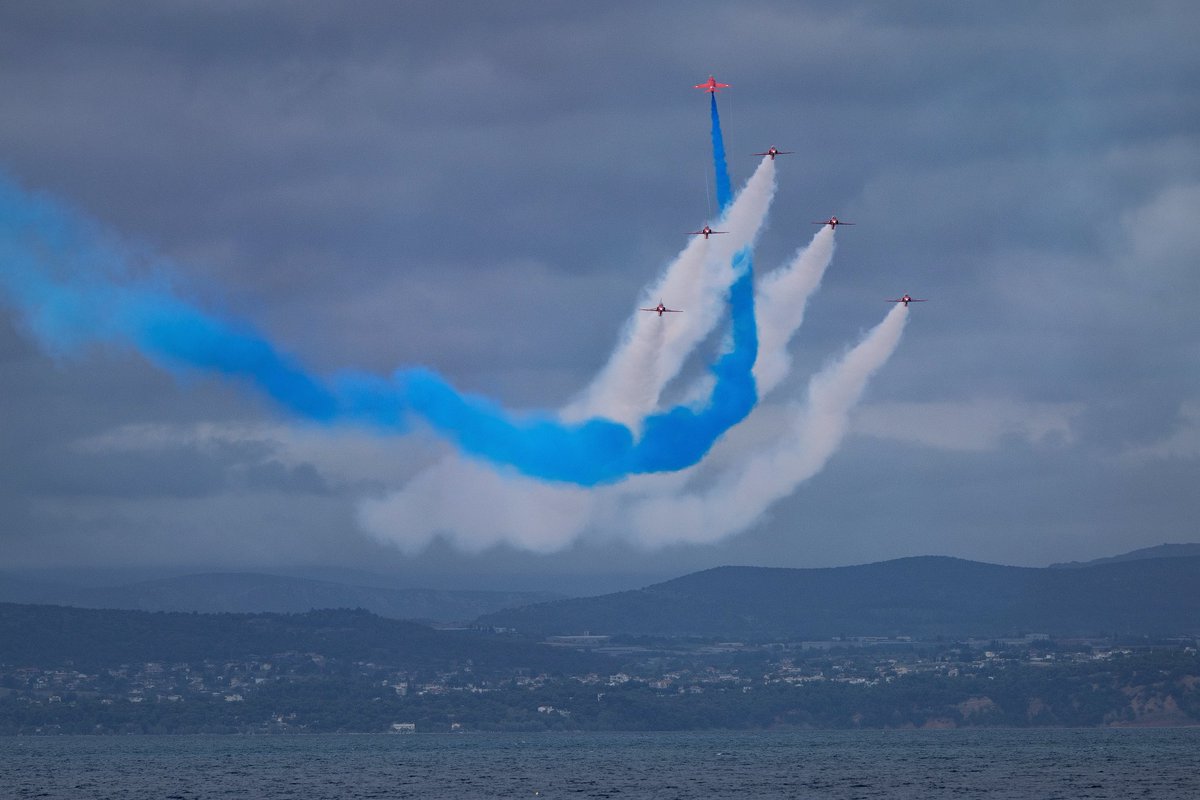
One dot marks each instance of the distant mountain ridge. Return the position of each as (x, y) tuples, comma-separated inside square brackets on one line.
[(248, 592), (924, 597), (1158, 551), (908, 597)]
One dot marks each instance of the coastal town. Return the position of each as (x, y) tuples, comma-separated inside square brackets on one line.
[(627, 684)]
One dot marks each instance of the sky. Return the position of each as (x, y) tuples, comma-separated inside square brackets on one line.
[(488, 192)]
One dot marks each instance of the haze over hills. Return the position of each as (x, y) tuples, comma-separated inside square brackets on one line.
[(257, 593), (924, 597)]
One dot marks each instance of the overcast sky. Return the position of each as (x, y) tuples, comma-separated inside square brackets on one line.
[(485, 189)]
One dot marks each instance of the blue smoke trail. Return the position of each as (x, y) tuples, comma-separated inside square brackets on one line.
[(724, 192), (86, 303), (671, 440), (682, 436), (71, 285), (735, 393), (587, 453)]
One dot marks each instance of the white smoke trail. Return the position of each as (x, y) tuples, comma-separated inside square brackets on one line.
[(474, 507), (503, 507), (649, 510), (697, 282), (741, 496), (779, 305), (780, 298), (655, 510)]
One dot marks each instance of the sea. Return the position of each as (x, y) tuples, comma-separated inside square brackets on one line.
[(972, 763)]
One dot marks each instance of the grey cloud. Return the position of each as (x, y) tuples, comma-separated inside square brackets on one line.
[(381, 184), (276, 476)]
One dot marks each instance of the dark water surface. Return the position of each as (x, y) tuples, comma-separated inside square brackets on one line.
[(1105, 763)]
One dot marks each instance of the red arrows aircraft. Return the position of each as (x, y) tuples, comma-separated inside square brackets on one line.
[(773, 151), (833, 222), (660, 308), (705, 232), (908, 299), (711, 85)]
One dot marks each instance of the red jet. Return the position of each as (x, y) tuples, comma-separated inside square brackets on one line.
[(660, 308), (711, 85), (908, 299), (705, 232), (833, 222), (773, 151)]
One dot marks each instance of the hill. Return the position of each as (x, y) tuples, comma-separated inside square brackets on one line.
[(924, 597), (248, 593), (96, 639)]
